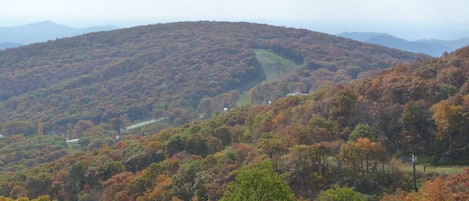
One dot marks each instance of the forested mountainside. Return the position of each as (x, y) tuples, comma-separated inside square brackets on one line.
[(176, 71), (304, 147)]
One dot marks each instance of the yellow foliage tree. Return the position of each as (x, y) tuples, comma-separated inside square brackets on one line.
[(160, 191), (450, 121)]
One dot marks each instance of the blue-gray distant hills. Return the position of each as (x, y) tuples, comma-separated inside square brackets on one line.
[(431, 47), (6, 45), (40, 32)]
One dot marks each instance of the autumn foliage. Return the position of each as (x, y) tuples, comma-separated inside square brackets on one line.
[(176, 70), (350, 138), (451, 188)]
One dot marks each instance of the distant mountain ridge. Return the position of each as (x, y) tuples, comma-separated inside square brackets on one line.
[(6, 45), (431, 47), (41, 32)]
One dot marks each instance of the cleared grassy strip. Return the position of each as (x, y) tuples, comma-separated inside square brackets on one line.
[(274, 67), (440, 170), (243, 99)]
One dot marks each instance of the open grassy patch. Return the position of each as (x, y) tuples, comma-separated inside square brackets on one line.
[(440, 170), (274, 67)]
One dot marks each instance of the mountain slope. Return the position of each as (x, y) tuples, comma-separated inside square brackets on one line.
[(175, 70), (431, 47)]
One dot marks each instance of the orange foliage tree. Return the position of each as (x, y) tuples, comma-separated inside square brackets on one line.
[(452, 188)]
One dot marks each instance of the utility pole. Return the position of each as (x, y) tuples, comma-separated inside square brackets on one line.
[(414, 161)]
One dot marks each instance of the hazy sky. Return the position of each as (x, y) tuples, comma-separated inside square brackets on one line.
[(410, 19)]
